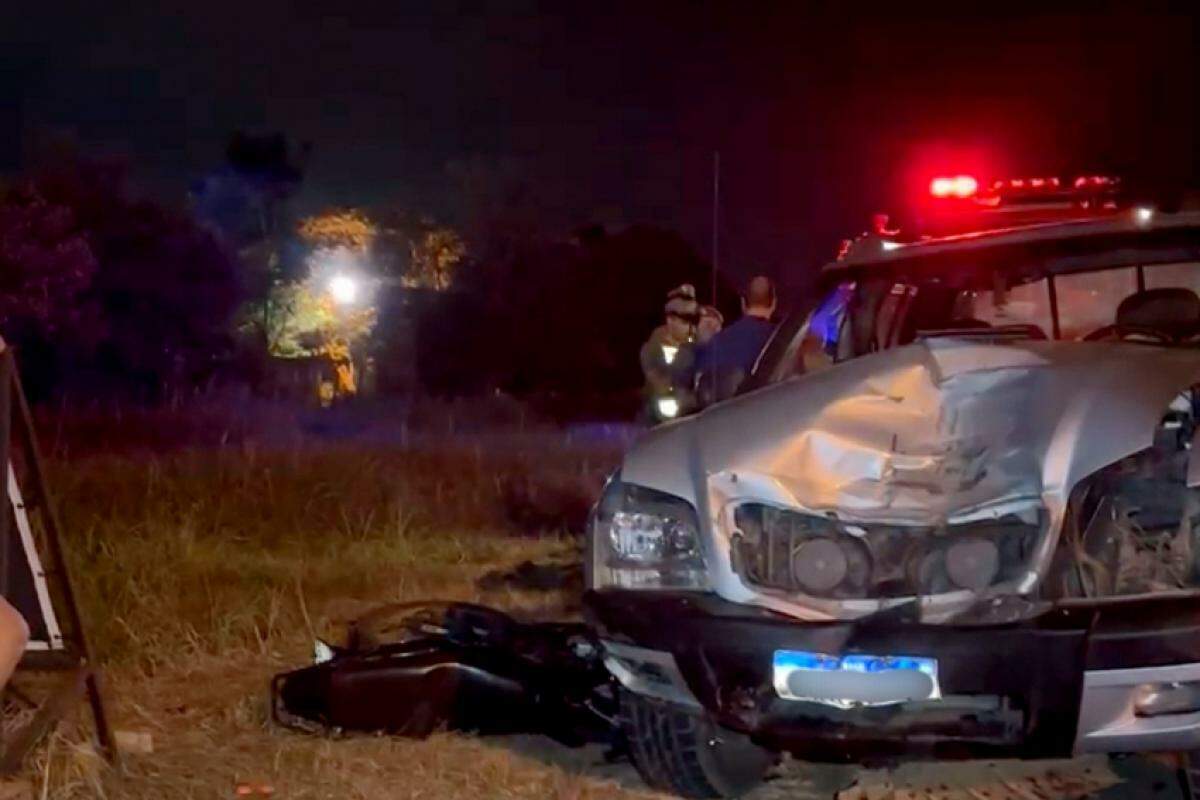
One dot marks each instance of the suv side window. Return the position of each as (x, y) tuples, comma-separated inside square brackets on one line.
[(1183, 276), (892, 311), (804, 342), (827, 339), (852, 320), (1022, 304), (1087, 301)]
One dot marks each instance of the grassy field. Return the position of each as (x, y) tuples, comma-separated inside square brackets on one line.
[(208, 549), (205, 569)]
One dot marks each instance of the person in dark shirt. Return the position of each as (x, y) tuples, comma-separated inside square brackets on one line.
[(685, 369), (730, 356)]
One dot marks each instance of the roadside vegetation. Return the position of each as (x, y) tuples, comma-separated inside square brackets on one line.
[(208, 555)]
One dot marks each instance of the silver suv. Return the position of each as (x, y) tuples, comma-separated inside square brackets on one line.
[(957, 516)]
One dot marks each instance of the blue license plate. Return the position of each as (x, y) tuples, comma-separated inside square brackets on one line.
[(854, 679)]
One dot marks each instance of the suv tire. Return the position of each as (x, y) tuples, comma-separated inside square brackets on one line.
[(687, 753)]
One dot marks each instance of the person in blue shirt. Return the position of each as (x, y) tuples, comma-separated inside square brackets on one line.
[(684, 371), (725, 361)]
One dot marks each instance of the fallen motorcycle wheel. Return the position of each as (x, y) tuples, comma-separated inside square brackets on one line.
[(688, 754)]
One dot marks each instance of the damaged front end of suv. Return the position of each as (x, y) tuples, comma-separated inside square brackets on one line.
[(934, 531)]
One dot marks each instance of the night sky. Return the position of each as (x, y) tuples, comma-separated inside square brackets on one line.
[(612, 111)]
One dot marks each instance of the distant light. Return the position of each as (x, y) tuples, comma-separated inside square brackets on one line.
[(1143, 215), (668, 407), (961, 186), (343, 289), (890, 246)]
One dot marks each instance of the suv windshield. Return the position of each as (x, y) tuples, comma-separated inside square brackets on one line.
[(856, 317)]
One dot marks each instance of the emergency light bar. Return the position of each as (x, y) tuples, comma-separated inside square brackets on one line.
[(1094, 180), (1082, 189), (961, 186), (962, 203), (1026, 183)]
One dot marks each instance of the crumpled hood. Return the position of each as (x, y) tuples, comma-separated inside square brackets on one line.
[(938, 431)]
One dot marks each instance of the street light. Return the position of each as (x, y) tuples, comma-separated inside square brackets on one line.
[(343, 289)]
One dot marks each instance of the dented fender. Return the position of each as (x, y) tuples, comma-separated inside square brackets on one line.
[(936, 433)]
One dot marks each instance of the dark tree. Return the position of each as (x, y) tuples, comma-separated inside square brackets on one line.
[(562, 318), (243, 197), (46, 266), (46, 270), (163, 287)]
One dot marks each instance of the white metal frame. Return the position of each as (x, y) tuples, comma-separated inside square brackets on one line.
[(35, 567)]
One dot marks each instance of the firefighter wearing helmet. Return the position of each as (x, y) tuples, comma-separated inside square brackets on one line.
[(659, 355)]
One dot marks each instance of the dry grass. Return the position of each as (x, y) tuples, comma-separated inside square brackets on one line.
[(204, 571)]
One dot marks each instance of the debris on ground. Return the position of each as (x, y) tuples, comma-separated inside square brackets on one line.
[(993, 780), (136, 742)]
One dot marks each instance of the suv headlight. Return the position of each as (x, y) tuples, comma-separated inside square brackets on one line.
[(645, 539)]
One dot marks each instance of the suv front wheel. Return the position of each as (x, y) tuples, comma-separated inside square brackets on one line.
[(688, 754)]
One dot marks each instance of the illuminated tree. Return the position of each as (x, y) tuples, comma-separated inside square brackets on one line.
[(304, 321), (301, 318), (434, 257), (284, 319), (348, 228), (417, 252)]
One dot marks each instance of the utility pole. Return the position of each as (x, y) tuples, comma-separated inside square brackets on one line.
[(715, 221), (716, 242)]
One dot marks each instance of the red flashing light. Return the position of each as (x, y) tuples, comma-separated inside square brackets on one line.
[(961, 186), (1093, 180), (1041, 184)]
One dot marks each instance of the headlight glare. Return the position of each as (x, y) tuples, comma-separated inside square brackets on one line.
[(644, 539), (650, 537)]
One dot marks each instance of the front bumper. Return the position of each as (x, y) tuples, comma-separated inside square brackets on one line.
[(1061, 683)]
